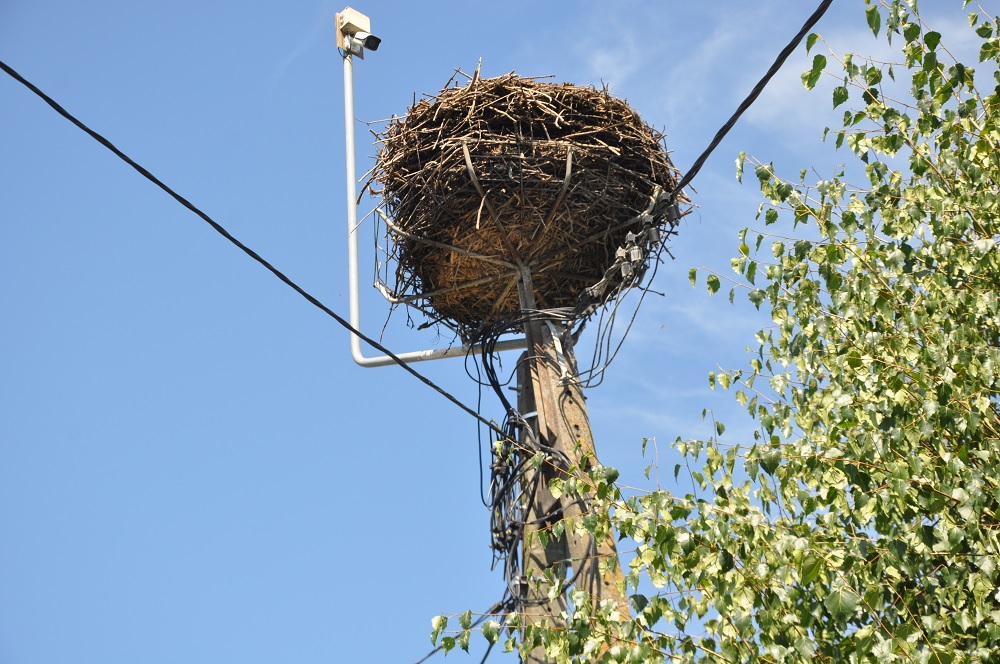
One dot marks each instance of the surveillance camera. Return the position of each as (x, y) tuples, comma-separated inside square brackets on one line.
[(354, 33), (357, 43), (368, 40)]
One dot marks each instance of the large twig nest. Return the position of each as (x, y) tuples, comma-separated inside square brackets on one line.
[(507, 174)]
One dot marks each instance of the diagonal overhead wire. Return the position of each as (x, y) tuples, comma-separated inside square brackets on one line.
[(685, 180), (244, 248), (752, 97)]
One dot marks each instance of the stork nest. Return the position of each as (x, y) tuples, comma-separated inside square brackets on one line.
[(506, 177)]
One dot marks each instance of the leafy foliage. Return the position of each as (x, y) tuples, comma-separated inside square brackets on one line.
[(861, 524)]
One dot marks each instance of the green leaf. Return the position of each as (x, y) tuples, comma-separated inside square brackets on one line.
[(841, 602), (438, 623), (810, 568), (811, 41), (811, 77), (874, 19), (693, 276), (491, 630), (465, 620), (932, 39), (990, 49), (726, 561), (770, 460), (840, 95), (713, 284)]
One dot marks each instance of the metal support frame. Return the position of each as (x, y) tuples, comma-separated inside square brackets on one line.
[(352, 253)]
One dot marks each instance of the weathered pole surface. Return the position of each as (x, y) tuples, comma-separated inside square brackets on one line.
[(548, 385), (538, 509)]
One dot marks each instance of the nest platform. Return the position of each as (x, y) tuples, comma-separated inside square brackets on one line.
[(508, 174)]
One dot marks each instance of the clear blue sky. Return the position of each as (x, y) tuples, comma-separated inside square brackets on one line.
[(191, 467)]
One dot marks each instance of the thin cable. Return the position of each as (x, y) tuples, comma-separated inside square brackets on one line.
[(247, 250), (752, 97)]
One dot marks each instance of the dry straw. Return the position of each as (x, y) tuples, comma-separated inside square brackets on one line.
[(508, 173)]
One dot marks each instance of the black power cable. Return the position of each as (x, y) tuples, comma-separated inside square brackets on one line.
[(684, 181), (603, 353), (752, 97), (247, 250)]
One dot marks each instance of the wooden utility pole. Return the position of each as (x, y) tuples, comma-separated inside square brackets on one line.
[(548, 386)]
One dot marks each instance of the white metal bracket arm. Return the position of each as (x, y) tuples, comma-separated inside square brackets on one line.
[(352, 253)]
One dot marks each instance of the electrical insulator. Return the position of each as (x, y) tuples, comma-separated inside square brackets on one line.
[(673, 212), (620, 253), (523, 586), (630, 239), (626, 270), (653, 235), (635, 254)]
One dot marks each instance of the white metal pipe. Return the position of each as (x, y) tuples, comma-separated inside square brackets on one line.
[(352, 255)]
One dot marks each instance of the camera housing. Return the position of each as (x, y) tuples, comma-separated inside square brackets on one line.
[(368, 40), (354, 32)]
